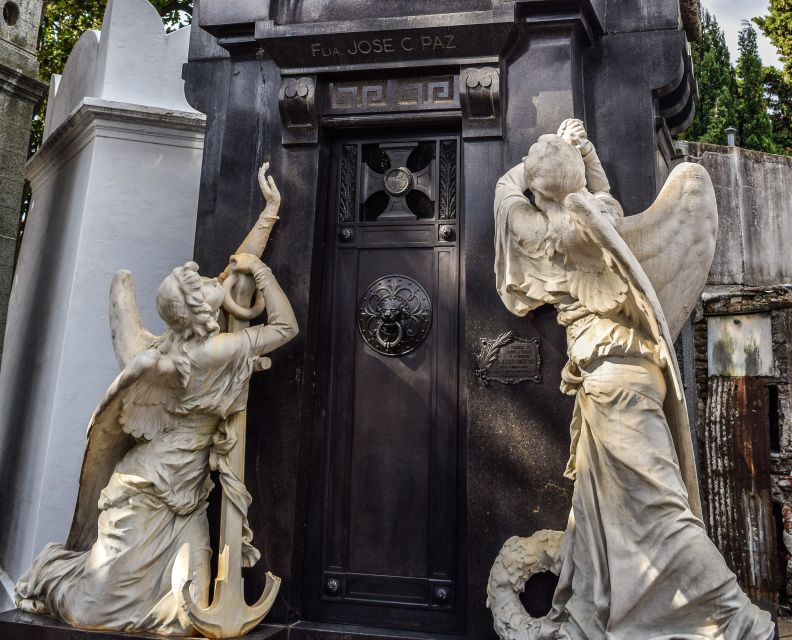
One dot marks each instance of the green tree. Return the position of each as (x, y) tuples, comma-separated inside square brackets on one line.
[(755, 127), (62, 24), (777, 25), (716, 108), (778, 90)]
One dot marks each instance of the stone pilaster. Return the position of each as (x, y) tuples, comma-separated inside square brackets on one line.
[(20, 91)]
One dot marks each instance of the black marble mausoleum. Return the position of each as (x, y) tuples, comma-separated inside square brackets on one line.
[(388, 465), (385, 483)]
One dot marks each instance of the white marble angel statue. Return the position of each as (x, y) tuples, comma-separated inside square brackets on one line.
[(635, 562), (151, 442)]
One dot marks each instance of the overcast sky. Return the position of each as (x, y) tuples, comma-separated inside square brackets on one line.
[(729, 13)]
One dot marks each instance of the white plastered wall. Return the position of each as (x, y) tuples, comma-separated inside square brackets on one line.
[(115, 185)]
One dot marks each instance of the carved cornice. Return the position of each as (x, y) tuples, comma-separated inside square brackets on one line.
[(677, 100), (297, 103), (545, 15), (480, 96), (94, 118), (21, 86)]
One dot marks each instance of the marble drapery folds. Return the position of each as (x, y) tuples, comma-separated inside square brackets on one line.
[(635, 561), (151, 444)]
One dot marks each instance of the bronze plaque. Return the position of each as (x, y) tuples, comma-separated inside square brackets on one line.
[(509, 359)]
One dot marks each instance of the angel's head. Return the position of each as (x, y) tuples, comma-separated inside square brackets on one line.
[(554, 169), (189, 303)]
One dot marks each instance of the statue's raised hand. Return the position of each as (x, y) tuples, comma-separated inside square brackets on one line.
[(573, 131), (270, 191), (246, 263)]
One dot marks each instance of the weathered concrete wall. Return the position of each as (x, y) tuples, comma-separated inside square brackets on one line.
[(745, 427), (742, 345), (755, 207), (20, 90)]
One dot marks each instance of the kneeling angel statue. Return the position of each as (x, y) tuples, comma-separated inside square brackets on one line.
[(635, 562), (151, 444)]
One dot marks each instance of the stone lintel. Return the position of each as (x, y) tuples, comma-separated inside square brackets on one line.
[(380, 42), (453, 38), (94, 118), (737, 299)]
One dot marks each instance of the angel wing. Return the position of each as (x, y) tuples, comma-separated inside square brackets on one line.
[(134, 407), (674, 241), (129, 335), (617, 254)]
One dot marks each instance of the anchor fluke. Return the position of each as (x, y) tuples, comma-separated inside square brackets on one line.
[(228, 616)]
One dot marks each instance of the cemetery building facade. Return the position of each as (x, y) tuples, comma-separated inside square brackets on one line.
[(385, 483)]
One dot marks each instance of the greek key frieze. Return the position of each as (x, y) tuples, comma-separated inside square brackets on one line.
[(402, 94)]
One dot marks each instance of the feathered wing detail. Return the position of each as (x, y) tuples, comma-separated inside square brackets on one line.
[(644, 304), (591, 277), (133, 408), (674, 241), (129, 335)]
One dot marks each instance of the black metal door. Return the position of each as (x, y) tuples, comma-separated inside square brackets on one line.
[(383, 537)]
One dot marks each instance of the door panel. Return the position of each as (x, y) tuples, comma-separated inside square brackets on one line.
[(382, 540)]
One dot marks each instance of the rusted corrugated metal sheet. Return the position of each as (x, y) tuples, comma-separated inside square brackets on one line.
[(736, 483)]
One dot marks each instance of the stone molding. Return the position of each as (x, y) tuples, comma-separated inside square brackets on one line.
[(94, 118), (21, 86)]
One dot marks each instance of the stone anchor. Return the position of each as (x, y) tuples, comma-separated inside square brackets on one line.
[(229, 616)]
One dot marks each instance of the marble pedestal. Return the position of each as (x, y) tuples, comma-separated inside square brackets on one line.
[(18, 625), (25, 626)]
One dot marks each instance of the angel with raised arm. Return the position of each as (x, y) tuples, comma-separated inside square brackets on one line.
[(635, 562), (151, 443)]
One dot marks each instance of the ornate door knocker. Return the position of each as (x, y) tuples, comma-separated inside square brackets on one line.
[(395, 315)]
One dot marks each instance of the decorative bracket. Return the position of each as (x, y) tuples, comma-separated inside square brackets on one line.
[(297, 102), (480, 98)]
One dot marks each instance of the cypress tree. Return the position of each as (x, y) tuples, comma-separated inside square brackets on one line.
[(755, 126), (716, 107), (777, 25), (778, 90)]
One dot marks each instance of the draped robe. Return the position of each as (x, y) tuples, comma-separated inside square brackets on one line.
[(636, 561), (145, 483)]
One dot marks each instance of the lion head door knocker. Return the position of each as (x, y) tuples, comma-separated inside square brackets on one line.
[(395, 315)]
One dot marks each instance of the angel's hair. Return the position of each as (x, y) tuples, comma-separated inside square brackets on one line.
[(181, 304), (554, 168)]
